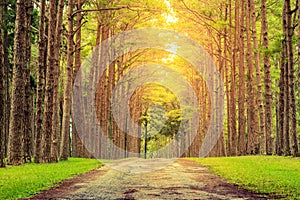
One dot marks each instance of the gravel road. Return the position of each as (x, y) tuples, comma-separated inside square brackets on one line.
[(148, 179)]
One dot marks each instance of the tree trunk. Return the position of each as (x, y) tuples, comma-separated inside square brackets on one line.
[(253, 137), (28, 134), (284, 90), (49, 90), (268, 83), (227, 73), (298, 55), (259, 92), (291, 85), (286, 23), (281, 105), (65, 140), (85, 152), (15, 154), (7, 76), (55, 116), (78, 37), (241, 100), (40, 86), (235, 48), (2, 96)]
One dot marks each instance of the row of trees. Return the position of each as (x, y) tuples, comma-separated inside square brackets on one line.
[(259, 75), (37, 96)]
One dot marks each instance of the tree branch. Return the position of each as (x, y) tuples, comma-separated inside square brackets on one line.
[(75, 31), (101, 9), (37, 30)]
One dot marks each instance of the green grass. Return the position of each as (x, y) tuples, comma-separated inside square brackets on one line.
[(263, 174), (25, 181)]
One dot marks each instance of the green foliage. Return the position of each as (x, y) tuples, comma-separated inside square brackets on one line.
[(263, 174), (25, 181), (172, 125)]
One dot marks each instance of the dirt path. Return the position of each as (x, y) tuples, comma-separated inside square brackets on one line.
[(179, 179)]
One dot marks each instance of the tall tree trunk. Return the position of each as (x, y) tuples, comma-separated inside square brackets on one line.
[(241, 100), (78, 146), (2, 96), (49, 90), (15, 153), (55, 116), (268, 83), (233, 136), (227, 72), (291, 85), (65, 140), (298, 53), (285, 86), (27, 98), (85, 152), (258, 83), (110, 86), (286, 16), (40, 86), (7, 75), (103, 108), (79, 5), (220, 151), (281, 105), (253, 137)]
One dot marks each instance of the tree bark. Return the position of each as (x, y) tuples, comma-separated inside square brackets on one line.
[(268, 83), (241, 98), (56, 110), (28, 134), (281, 105), (298, 56), (16, 134), (65, 141), (89, 139), (253, 137), (291, 85), (233, 132), (258, 83), (283, 133), (40, 86), (287, 99), (2, 96), (7, 75), (49, 90)]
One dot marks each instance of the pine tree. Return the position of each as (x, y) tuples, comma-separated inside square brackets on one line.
[(40, 86), (2, 96), (253, 143), (56, 110), (268, 82), (65, 140), (49, 90), (241, 95), (16, 130)]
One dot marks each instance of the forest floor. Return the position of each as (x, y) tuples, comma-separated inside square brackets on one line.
[(149, 179)]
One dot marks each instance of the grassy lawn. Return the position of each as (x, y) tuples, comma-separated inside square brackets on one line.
[(24, 181), (263, 174)]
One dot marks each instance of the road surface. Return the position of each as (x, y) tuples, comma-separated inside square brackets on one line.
[(149, 179)]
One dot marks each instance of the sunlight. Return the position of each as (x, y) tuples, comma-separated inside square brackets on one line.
[(170, 59), (171, 18), (171, 15), (172, 48)]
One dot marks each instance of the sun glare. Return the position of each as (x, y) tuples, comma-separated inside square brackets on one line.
[(170, 16), (170, 59)]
